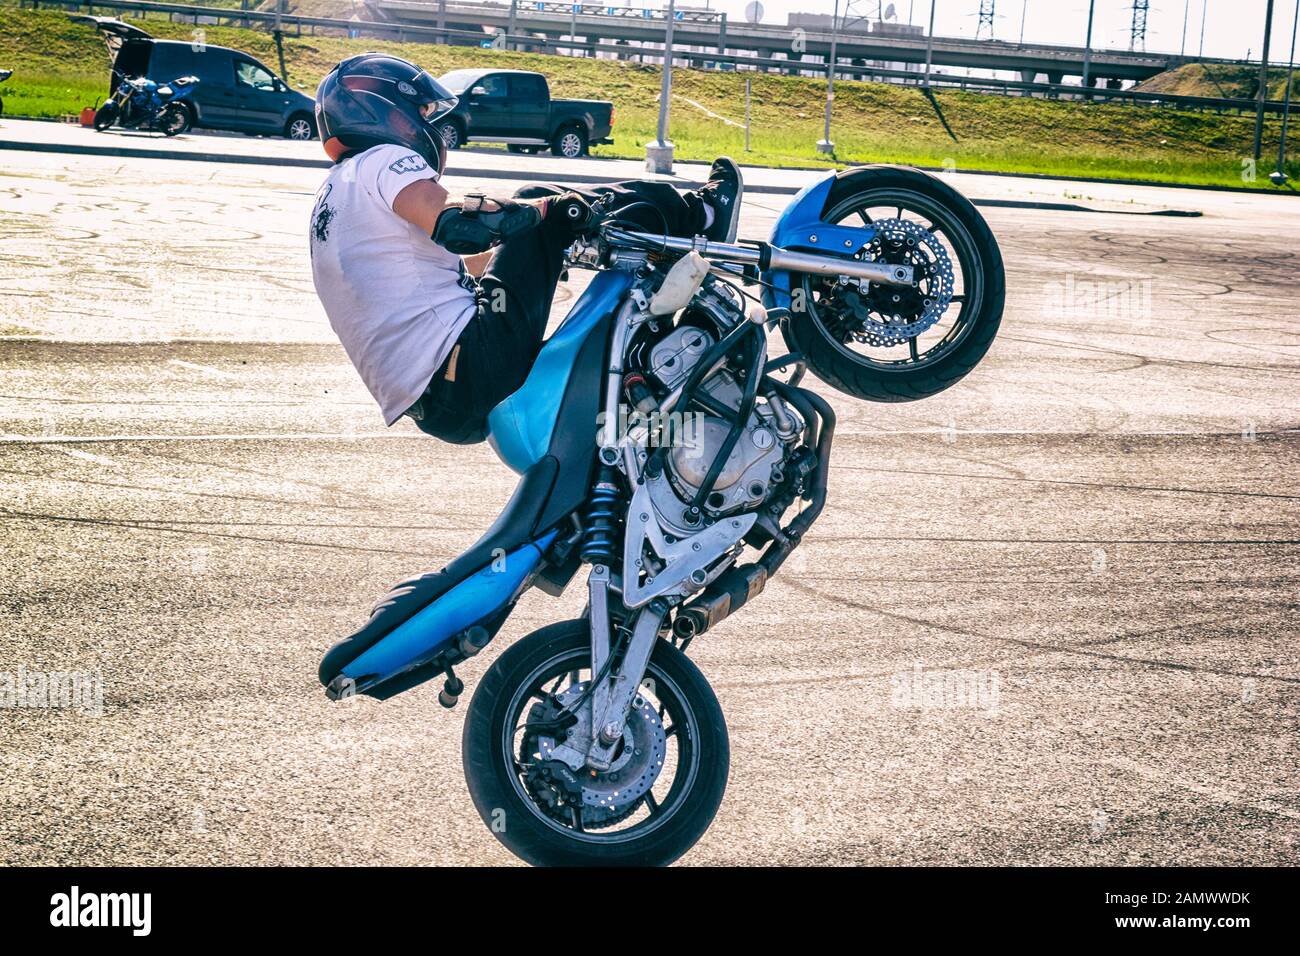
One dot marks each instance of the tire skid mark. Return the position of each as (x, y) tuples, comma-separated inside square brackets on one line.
[(162, 529), (1039, 646), (1095, 485)]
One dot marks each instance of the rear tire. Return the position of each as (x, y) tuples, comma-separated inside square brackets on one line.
[(570, 142), (174, 120), (300, 127), (854, 374), (105, 116), (521, 826)]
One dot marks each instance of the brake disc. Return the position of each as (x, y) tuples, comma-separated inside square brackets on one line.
[(612, 795), (884, 315)]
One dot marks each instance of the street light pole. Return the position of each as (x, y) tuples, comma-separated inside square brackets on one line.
[(1263, 81), (824, 145), (659, 154), (929, 45), (1187, 6), (1087, 46), (1200, 54), (1279, 176)]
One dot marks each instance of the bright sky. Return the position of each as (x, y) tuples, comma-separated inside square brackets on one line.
[(1232, 27)]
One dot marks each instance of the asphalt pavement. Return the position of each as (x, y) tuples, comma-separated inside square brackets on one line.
[(1089, 547)]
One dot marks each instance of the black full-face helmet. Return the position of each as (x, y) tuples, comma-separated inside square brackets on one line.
[(374, 98)]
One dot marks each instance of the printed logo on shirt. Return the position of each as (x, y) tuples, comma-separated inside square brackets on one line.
[(408, 164), (320, 225)]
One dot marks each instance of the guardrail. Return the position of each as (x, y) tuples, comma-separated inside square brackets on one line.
[(295, 24)]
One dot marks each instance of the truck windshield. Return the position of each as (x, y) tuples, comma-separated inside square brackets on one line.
[(458, 81)]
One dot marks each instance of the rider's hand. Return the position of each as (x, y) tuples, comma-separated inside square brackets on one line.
[(574, 210)]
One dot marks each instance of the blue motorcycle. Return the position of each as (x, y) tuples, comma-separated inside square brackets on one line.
[(140, 103), (661, 447)]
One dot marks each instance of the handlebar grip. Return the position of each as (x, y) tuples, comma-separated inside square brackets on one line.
[(576, 212)]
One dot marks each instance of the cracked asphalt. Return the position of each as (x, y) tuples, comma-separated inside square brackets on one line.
[(1048, 616)]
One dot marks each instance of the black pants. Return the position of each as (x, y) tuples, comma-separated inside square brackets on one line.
[(494, 354)]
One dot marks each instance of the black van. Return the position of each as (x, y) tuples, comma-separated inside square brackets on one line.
[(235, 91)]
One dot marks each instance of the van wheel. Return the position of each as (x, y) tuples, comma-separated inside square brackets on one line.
[(570, 142), (300, 127)]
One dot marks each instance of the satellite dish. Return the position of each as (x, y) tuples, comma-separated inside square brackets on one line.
[(753, 12), (890, 13)]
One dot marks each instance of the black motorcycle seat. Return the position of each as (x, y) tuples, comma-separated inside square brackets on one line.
[(514, 527)]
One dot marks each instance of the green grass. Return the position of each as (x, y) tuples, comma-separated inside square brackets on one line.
[(61, 67)]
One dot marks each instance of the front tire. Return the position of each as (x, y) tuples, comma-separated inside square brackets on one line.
[(105, 116), (661, 826), (956, 344), (452, 136)]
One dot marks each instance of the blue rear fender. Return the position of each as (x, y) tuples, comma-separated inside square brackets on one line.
[(433, 630)]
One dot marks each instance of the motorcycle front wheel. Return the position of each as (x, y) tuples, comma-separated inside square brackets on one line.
[(895, 344), (105, 116), (662, 790)]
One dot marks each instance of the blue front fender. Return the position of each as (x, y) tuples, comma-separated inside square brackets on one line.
[(801, 228)]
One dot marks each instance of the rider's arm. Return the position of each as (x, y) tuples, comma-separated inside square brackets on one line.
[(428, 206), (421, 203)]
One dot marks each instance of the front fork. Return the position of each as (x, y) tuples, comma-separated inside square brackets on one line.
[(610, 702)]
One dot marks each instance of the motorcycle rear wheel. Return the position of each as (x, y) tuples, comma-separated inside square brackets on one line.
[(173, 120), (839, 353), (662, 825), (105, 116)]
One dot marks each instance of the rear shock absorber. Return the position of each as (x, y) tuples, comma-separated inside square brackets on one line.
[(599, 545)]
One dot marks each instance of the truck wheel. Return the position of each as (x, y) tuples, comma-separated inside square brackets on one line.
[(570, 142), (452, 138)]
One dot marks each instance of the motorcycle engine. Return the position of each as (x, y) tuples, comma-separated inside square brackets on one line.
[(755, 462)]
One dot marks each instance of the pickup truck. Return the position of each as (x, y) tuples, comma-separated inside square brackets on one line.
[(515, 107)]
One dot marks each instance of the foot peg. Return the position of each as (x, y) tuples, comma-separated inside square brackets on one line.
[(452, 688)]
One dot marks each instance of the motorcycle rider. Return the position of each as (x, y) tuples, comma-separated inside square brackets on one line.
[(441, 303)]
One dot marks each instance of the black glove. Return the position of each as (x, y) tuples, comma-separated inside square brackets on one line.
[(574, 210), (479, 223)]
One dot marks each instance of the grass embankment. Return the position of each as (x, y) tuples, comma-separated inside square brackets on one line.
[(1226, 80), (61, 67)]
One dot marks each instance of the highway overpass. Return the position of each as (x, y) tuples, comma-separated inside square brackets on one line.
[(711, 30)]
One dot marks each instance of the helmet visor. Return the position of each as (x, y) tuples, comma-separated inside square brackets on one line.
[(433, 98)]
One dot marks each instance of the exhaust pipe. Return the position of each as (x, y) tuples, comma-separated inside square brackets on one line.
[(724, 597)]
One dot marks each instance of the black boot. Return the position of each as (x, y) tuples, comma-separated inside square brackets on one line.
[(723, 194)]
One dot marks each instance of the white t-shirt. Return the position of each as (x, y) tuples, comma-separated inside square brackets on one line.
[(396, 300)]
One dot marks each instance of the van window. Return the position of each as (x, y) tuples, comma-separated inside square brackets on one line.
[(248, 73), (211, 66)]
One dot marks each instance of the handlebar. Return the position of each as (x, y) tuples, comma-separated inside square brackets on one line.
[(766, 256)]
